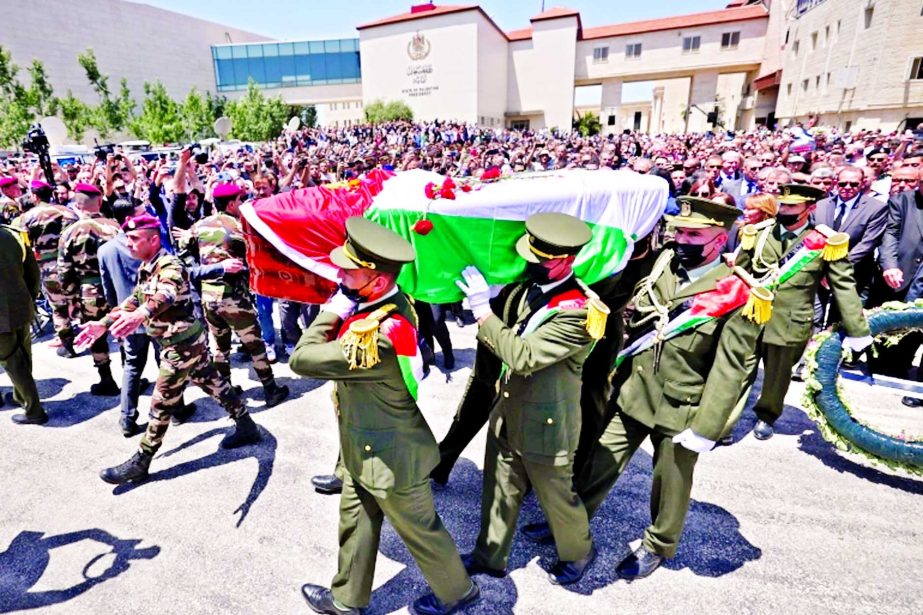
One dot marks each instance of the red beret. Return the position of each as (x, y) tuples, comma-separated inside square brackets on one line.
[(38, 184), (144, 221), (88, 189), (222, 191), (7, 181)]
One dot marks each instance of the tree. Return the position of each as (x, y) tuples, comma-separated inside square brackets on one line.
[(41, 93), (160, 120), (111, 114), (255, 117), (308, 116), (76, 116), (587, 124), (15, 112), (197, 116), (380, 111)]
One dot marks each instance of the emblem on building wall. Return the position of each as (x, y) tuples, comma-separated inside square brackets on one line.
[(418, 47)]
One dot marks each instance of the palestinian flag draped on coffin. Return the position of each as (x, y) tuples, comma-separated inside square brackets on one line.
[(472, 223)]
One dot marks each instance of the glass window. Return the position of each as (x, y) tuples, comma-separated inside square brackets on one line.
[(332, 46), (318, 67), (600, 55), (691, 44), (730, 40), (270, 50), (302, 48), (916, 68), (256, 69), (303, 69), (222, 53), (254, 51), (633, 51), (316, 46), (238, 51), (273, 68)]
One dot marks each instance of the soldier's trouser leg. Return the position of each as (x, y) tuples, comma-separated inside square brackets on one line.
[(414, 518), (207, 377), (752, 363), (220, 338), (16, 359), (595, 391), (242, 318), (440, 330), (777, 377), (135, 348), (608, 459), (567, 517), (56, 300), (671, 487)]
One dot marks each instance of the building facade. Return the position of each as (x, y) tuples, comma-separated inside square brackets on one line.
[(853, 63)]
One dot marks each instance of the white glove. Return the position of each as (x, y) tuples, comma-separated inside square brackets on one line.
[(339, 304), (857, 344), (476, 289), (693, 441)]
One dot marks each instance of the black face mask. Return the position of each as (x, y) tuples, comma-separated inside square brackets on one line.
[(355, 294), (537, 273), (787, 219), (691, 255)]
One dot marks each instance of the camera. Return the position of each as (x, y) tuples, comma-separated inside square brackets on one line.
[(198, 154), (103, 150), (36, 141)]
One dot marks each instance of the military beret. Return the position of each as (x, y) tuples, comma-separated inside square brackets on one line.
[(372, 246), (795, 194), (138, 223), (87, 189), (224, 191), (7, 181), (38, 184), (552, 235), (696, 212)]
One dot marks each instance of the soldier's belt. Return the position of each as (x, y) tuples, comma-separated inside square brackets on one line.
[(189, 334)]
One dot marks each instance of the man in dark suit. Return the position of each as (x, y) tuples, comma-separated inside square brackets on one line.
[(747, 184), (900, 257), (863, 218), (19, 279)]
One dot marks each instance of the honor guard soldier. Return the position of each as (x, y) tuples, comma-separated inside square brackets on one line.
[(10, 193), (365, 340), (81, 284), (226, 300), (539, 333), (162, 304), (791, 256), (678, 378), (19, 279), (44, 224)]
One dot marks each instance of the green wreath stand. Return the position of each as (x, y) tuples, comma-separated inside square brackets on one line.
[(824, 403)]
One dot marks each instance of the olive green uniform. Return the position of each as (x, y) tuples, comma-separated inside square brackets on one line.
[(692, 381), (788, 331), (387, 452), (534, 425), (19, 279)]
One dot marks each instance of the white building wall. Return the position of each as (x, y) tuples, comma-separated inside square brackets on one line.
[(492, 75)]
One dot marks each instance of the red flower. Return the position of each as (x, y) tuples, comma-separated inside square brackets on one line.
[(422, 227), (466, 188), (430, 190), (447, 193), (448, 183), (815, 241), (491, 173)]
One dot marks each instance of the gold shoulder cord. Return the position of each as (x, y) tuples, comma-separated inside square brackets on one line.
[(646, 287), (597, 313), (360, 342)]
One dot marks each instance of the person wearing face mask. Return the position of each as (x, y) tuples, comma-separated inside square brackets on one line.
[(794, 256), (365, 340), (675, 382), (533, 341), (757, 209)]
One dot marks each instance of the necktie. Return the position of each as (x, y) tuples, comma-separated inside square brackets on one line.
[(840, 212), (787, 238), (535, 291)]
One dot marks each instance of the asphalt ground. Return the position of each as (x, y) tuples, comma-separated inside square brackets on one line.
[(789, 525)]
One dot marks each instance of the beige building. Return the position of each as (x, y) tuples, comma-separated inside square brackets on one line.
[(853, 63)]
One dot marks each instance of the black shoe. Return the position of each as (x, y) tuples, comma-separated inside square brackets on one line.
[(448, 360), (912, 402), (567, 573), (762, 430), (327, 484), (25, 419), (275, 394), (105, 388), (320, 599), (134, 470), (237, 390), (473, 567), (726, 440), (642, 563), (66, 350), (431, 605), (245, 432), (539, 533), (798, 374), (181, 415), (130, 428), (144, 384), (439, 479)]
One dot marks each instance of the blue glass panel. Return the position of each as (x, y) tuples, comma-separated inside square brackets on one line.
[(332, 46), (255, 69), (302, 69), (286, 49), (222, 53), (287, 70), (319, 70), (317, 46), (302, 48), (270, 50), (254, 51), (238, 51)]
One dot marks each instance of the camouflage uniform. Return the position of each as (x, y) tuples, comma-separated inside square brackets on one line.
[(78, 274), (226, 300), (163, 292), (9, 210), (45, 224)]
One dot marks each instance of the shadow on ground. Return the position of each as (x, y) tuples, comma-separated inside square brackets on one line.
[(26, 559)]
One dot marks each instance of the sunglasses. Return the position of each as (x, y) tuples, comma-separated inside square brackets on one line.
[(714, 166), (878, 159), (904, 180), (845, 184)]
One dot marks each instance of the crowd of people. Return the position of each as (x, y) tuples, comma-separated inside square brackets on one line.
[(152, 250)]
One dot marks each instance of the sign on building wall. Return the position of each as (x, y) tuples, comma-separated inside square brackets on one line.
[(419, 72)]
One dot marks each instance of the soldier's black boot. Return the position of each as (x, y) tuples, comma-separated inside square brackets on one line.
[(106, 387), (275, 394), (245, 432), (638, 565), (431, 605), (67, 349), (134, 470), (327, 484), (320, 599)]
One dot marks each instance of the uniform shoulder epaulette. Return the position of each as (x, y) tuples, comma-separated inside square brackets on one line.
[(597, 312), (21, 236), (749, 232), (758, 308), (836, 245), (360, 342)]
